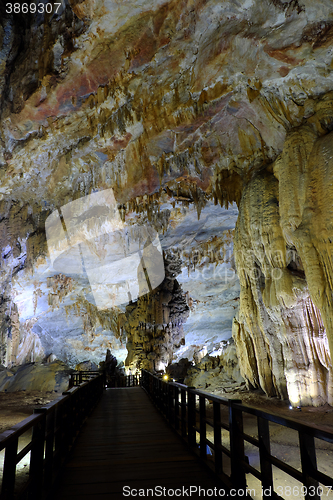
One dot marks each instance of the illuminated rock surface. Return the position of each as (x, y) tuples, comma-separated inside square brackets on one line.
[(175, 106), (49, 377)]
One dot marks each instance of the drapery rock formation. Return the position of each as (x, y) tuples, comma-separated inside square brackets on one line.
[(283, 251), (154, 323), (175, 106)]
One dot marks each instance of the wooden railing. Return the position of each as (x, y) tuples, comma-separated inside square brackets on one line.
[(115, 381), (124, 381), (78, 377), (186, 410), (53, 430)]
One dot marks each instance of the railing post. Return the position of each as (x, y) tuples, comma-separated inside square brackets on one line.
[(58, 435), (160, 391), (238, 477), (170, 408), (166, 399), (183, 412), (153, 387), (36, 472), (309, 465), (217, 437), (264, 452), (191, 417), (156, 392), (176, 393), (161, 386), (67, 423), (202, 413), (9, 469), (50, 424)]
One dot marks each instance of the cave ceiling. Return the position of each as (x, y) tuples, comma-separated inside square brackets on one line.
[(190, 112), (111, 93)]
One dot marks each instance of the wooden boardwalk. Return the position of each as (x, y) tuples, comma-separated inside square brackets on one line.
[(127, 443)]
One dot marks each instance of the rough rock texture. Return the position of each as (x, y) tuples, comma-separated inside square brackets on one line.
[(283, 255), (217, 373), (175, 106), (52, 377), (154, 323)]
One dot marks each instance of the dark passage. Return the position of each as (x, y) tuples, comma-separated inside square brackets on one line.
[(126, 442)]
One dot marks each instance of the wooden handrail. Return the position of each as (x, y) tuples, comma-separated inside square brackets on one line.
[(179, 404), (124, 381), (78, 377), (54, 427), (17, 430), (114, 381), (312, 429)]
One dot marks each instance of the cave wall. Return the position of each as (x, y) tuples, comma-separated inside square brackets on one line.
[(283, 254), (174, 105)]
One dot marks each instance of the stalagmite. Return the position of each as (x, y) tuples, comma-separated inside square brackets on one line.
[(187, 111)]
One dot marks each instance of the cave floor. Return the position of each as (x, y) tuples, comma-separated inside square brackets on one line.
[(16, 406), (322, 415)]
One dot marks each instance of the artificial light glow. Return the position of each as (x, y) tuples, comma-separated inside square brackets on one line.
[(294, 389), (165, 377), (290, 407)]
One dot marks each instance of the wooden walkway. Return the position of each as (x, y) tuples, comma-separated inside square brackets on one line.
[(127, 443)]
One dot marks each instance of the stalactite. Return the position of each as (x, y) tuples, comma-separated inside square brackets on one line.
[(109, 319), (154, 313), (284, 268), (228, 188)]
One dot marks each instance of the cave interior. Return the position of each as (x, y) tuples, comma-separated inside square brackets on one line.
[(166, 193)]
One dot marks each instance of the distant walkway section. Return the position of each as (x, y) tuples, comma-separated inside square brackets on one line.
[(126, 449)]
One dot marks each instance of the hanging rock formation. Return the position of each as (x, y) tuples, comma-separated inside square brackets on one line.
[(175, 106), (283, 254), (154, 323)]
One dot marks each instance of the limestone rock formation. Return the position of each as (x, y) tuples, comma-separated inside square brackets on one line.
[(283, 254), (154, 323), (52, 377), (217, 373), (184, 110)]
